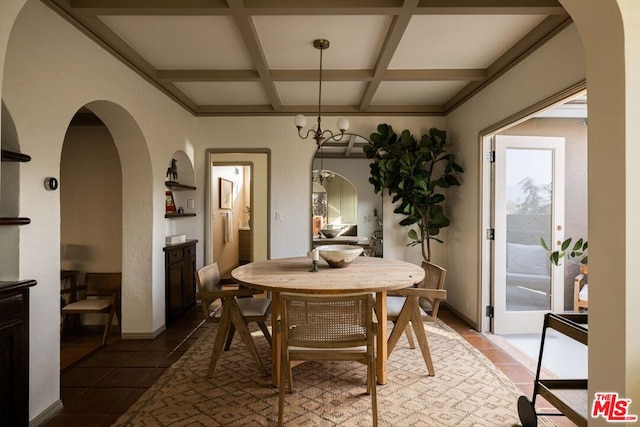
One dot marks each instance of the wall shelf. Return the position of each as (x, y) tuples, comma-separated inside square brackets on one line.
[(177, 186), (13, 156), (14, 221), (178, 215)]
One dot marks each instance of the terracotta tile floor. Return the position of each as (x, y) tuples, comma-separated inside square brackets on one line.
[(100, 386)]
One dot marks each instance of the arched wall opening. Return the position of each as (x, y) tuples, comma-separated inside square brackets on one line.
[(138, 296)]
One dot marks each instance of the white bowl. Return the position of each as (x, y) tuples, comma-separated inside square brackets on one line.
[(338, 256)]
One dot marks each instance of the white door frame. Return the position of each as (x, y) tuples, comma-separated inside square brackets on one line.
[(483, 322), (525, 321)]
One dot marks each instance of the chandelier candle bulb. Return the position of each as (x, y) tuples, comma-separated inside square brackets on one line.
[(300, 121), (343, 125)]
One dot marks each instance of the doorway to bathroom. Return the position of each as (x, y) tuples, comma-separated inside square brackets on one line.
[(237, 208)]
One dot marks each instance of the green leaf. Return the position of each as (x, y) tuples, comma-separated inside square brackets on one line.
[(578, 245), (544, 245), (436, 198), (407, 221), (413, 234)]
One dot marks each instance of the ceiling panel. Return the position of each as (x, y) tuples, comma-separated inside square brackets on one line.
[(288, 40), (333, 93), (184, 42), (256, 57), (470, 41)]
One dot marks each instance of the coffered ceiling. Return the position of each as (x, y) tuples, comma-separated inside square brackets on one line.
[(256, 57)]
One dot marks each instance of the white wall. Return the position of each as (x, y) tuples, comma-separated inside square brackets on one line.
[(613, 79), (290, 168), (90, 201), (558, 65), (46, 80)]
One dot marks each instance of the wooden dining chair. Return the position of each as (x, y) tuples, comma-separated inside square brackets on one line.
[(233, 307), (408, 308), (580, 293), (327, 327), (103, 292)]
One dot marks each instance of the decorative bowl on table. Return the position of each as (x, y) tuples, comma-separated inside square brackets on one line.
[(330, 233), (338, 256)]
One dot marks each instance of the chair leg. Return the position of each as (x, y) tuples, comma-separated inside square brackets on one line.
[(108, 325), (223, 331), (421, 336), (232, 331), (401, 324), (407, 332), (265, 332), (285, 370), (241, 327), (374, 399)]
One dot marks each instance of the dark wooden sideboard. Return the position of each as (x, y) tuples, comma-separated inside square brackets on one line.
[(14, 352), (180, 268)]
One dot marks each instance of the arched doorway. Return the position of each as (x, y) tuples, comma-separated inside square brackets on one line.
[(121, 174), (90, 225)]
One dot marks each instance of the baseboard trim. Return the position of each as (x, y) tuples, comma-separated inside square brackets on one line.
[(143, 335), (47, 414), (471, 323)]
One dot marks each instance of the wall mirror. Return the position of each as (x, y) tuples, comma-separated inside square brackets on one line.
[(335, 205), (345, 209)]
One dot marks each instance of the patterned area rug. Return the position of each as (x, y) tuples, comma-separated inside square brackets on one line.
[(468, 390)]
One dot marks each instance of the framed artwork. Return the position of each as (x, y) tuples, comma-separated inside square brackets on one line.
[(226, 194)]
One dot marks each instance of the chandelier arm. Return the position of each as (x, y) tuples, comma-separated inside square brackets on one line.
[(309, 132)]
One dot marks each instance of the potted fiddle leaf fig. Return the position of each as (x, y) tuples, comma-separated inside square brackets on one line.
[(413, 171)]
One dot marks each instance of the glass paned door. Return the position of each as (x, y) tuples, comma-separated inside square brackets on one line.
[(528, 206)]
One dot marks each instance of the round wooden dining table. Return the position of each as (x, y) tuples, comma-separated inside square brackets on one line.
[(364, 274)]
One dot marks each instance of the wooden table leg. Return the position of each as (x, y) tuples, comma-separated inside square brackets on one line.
[(381, 359), (276, 342)]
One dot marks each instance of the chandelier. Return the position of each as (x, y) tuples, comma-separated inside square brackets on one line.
[(322, 175), (300, 121)]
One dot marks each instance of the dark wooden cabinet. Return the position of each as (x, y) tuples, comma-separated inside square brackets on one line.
[(244, 246), (180, 268), (14, 353)]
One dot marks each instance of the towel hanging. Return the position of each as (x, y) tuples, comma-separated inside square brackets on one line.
[(228, 227)]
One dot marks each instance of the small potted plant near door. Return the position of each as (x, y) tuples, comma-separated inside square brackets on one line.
[(578, 250), (580, 283)]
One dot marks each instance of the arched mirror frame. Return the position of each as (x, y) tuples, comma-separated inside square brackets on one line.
[(346, 158)]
